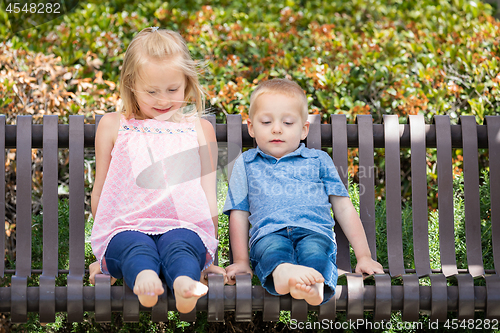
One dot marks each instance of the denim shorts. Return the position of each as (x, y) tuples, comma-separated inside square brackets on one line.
[(299, 246), (172, 254)]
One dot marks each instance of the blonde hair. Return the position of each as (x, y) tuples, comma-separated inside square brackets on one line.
[(159, 44), (279, 86)]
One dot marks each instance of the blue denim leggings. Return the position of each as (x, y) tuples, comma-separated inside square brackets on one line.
[(172, 254), (299, 246)]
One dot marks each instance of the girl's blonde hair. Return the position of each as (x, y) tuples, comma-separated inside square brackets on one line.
[(159, 44)]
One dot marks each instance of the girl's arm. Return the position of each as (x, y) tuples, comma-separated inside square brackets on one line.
[(105, 138), (349, 220), (208, 157)]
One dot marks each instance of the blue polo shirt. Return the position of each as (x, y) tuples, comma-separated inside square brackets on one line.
[(288, 192)]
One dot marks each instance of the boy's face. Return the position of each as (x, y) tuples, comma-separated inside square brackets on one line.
[(277, 124)]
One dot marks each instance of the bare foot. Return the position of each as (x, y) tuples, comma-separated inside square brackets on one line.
[(299, 281), (147, 287), (187, 292), (312, 294)]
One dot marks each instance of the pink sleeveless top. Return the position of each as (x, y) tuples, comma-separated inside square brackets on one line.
[(153, 185)]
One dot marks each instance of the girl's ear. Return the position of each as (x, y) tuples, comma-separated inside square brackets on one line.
[(250, 127)]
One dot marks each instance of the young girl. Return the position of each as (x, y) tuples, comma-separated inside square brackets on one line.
[(154, 198)]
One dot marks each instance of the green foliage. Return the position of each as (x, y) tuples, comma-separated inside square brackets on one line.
[(352, 57)]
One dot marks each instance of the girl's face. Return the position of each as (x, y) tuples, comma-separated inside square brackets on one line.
[(160, 89)]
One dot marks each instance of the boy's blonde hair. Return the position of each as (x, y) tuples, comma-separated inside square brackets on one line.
[(163, 45), (279, 86)]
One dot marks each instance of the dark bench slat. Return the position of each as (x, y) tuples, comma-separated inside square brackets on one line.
[(419, 196), (339, 138), (298, 310), (159, 312), (393, 195), (19, 306), (50, 196), (411, 297), (234, 140), (23, 196), (76, 219), (2, 189), (130, 305), (439, 307), (382, 297), (367, 180), (271, 307), (313, 139), (215, 282), (215, 298), (466, 297), (243, 311), (355, 296), (446, 219), (50, 220), (445, 198), (493, 297), (471, 196), (494, 159)]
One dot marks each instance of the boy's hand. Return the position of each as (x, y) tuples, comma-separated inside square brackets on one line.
[(95, 268), (235, 269), (214, 270), (367, 265)]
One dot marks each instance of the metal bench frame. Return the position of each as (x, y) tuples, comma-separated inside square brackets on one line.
[(355, 297)]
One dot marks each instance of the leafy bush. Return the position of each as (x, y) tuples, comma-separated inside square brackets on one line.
[(354, 57)]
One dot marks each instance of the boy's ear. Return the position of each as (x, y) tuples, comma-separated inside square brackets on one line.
[(305, 130), (250, 127)]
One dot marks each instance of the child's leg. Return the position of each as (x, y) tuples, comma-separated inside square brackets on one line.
[(274, 262), (318, 252), (133, 255), (183, 256)]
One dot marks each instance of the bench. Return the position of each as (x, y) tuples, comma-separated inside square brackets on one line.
[(382, 294)]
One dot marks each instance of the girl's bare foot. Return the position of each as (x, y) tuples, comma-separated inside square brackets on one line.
[(147, 287), (302, 275), (312, 294), (187, 292)]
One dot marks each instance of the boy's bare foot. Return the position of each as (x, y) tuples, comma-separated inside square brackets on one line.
[(187, 292), (299, 281), (147, 287), (312, 294)]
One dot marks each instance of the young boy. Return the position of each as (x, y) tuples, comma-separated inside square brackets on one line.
[(285, 191)]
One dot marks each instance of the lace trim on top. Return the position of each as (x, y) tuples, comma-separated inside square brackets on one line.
[(155, 130)]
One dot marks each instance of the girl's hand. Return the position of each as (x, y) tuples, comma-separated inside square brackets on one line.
[(236, 269), (95, 268), (214, 270), (369, 266)]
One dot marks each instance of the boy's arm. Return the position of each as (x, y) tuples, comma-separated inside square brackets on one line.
[(349, 220), (238, 233)]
